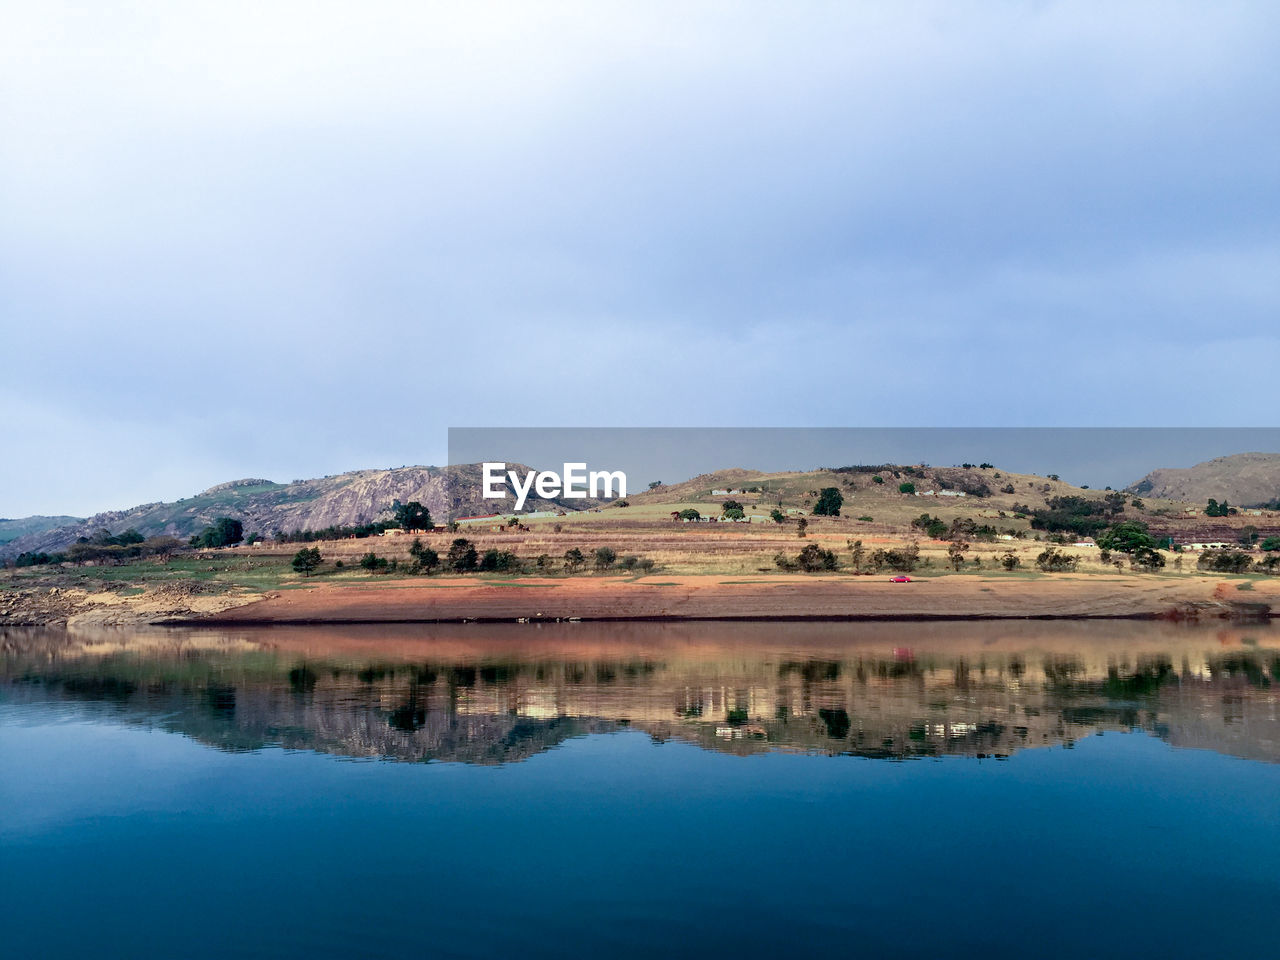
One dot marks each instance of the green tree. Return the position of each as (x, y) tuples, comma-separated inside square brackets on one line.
[(730, 505), (412, 515), (1128, 536), (1271, 543), (829, 502), (306, 560), (688, 513), (802, 527), (1010, 561), (955, 554), (906, 487), (777, 516), (813, 559), (877, 479), (1248, 535), (604, 557), (462, 557), (573, 560), (859, 554), (373, 563), (424, 557), (734, 513), (1053, 560), (223, 533)]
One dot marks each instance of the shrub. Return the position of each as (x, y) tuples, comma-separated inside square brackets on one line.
[(777, 516), (1010, 561), (1054, 560), (462, 557), (373, 563), (499, 561), (604, 557), (573, 560), (813, 558), (906, 487)]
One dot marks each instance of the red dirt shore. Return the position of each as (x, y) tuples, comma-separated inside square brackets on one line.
[(710, 597)]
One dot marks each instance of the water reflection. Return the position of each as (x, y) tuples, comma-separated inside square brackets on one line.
[(495, 694)]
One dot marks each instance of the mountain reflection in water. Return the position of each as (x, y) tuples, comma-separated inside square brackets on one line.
[(501, 693)]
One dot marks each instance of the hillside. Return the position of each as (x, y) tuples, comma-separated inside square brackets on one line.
[(264, 506), (1243, 479), (26, 526)]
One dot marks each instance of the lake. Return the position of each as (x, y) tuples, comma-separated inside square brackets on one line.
[(1069, 789)]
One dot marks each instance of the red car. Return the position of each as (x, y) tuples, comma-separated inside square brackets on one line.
[(900, 579)]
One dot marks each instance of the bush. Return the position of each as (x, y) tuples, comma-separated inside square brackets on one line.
[(1054, 560), (462, 557), (573, 560), (1010, 561), (777, 516), (906, 487), (813, 558), (424, 557), (499, 561), (604, 557), (903, 560), (374, 563)]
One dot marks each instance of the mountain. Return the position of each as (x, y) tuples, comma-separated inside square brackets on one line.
[(263, 506), (1243, 479), (13, 529)]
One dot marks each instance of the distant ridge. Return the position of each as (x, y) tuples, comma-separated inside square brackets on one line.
[(1242, 479), (264, 506)]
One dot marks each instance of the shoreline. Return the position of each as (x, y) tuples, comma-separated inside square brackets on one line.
[(766, 599)]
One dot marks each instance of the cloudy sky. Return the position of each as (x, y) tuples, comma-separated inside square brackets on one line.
[(289, 239)]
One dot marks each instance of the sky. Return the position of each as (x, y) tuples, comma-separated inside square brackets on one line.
[(292, 239)]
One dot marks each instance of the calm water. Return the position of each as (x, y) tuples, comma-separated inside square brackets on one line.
[(1029, 790)]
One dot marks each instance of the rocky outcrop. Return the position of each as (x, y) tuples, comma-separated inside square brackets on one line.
[(1243, 479), (346, 499)]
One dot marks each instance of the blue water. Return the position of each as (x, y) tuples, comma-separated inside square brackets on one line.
[(125, 840)]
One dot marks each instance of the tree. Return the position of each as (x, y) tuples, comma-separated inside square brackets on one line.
[(955, 553), (877, 479), (306, 560), (499, 561), (412, 515), (730, 505), (424, 557), (655, 484), (859, 554), (906, 487), (605, 557), (734, 513), (688, 513), (777, 516), (1010, 561), (223, 533), (1248, 535), (1128, 536), (1271, 543), (573, 560), (373, 563), (802, 526), (462, 557), (829, 502)]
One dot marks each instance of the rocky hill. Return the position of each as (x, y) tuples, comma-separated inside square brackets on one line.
[(13, 529), (1243, 479), (263, 506)]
